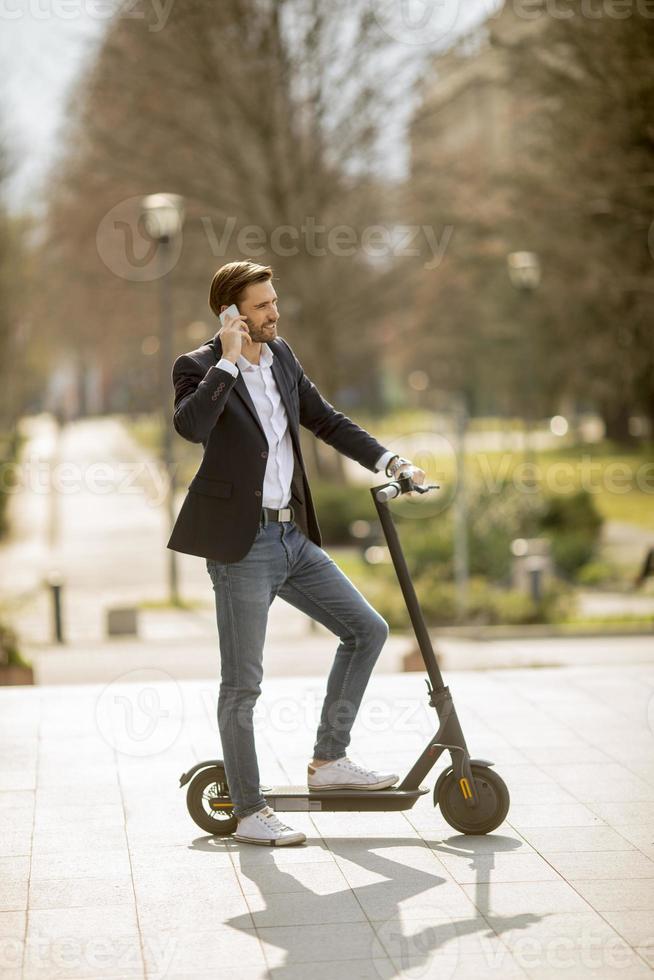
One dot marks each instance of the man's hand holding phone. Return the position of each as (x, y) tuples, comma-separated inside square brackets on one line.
[(233, 332)]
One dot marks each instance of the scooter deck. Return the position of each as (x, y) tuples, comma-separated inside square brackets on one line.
[(286, 798)]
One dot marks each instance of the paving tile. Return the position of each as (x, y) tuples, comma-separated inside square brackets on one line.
[(618, 895), (70, 815), (15, 866), (13, 894), (163, 887), (405, 936), (331, 942), (190, 860), (305, 908), (188, 952), (640, 835), (79, 795), (606, 962), (536, 898), (525, 931), (226, 973), (544, 815), (13, 924), (602, 864), (552, 755), (85, 837), (552, 840), (416, 896), (10, 800), (19, 780), (320, 878), (16, 818), (83, 922), (18, 842), (372, 969), (624, 813), (194, 912), (64, 893), (245, 854), (71, 959), (91, 863), (637, 928), (550, 794), (500, 964), (497, 867), (646, 953)]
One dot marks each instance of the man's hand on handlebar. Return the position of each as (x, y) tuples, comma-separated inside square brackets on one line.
[(399, 466)]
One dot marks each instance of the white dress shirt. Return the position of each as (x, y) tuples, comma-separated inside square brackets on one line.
[(272, 415)]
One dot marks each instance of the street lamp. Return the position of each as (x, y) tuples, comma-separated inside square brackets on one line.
[(164, 217), (524, 273)]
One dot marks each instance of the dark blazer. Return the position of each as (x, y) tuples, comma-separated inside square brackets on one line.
[(221, 512)]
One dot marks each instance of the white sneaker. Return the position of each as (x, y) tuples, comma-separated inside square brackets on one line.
[(345, 774), (264, 827)]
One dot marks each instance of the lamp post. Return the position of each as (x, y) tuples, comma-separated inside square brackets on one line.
[(164, 217), (524, 273), (461, 562)]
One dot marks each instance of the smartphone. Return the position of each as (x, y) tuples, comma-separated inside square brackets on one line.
[(233, 310)]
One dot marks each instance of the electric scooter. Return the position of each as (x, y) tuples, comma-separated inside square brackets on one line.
[(473, 798)]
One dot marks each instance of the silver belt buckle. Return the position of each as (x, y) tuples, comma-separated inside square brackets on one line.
[(285, 514)]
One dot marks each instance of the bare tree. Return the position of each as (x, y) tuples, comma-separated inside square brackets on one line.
[(264, 115)]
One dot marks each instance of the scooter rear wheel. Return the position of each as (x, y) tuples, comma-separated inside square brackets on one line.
[(492, 807), (209, 803)]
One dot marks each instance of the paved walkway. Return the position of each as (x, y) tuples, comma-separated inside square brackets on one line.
[(105, 875)]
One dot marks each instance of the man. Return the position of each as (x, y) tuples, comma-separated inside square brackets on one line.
[(243, 394)]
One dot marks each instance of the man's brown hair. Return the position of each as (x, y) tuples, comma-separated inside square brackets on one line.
[(231, 279)]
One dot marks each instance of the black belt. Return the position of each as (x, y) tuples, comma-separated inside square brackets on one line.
[(271, 514)]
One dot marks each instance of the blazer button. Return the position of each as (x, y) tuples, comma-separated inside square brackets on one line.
[(264, 455), (257, 493)]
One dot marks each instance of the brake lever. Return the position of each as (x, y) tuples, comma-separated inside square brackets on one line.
[(407, 485)]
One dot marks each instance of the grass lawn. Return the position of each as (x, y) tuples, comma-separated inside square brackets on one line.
[(621, 483)]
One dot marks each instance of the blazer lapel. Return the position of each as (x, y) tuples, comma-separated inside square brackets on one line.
[(241, 388)]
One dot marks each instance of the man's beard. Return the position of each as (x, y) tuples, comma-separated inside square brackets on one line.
[(260, 334)]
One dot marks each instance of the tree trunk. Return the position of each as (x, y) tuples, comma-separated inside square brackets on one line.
[(616, 423)]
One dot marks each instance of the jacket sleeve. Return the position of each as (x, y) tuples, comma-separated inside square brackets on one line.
[(334, 428), (200, 397)]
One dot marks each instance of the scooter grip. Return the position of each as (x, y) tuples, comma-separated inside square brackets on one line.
[(389, 492)]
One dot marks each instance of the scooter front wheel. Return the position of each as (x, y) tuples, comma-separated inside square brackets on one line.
[(492, 802), (209, 803)]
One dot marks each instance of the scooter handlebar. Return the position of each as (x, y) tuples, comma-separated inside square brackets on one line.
[(404, 485)]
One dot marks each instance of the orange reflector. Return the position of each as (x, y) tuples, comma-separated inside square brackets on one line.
[(465, 788)]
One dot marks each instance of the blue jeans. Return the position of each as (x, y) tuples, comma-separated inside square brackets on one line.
[(284, 562)]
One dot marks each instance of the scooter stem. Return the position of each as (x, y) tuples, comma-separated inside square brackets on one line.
[(404, 578)]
